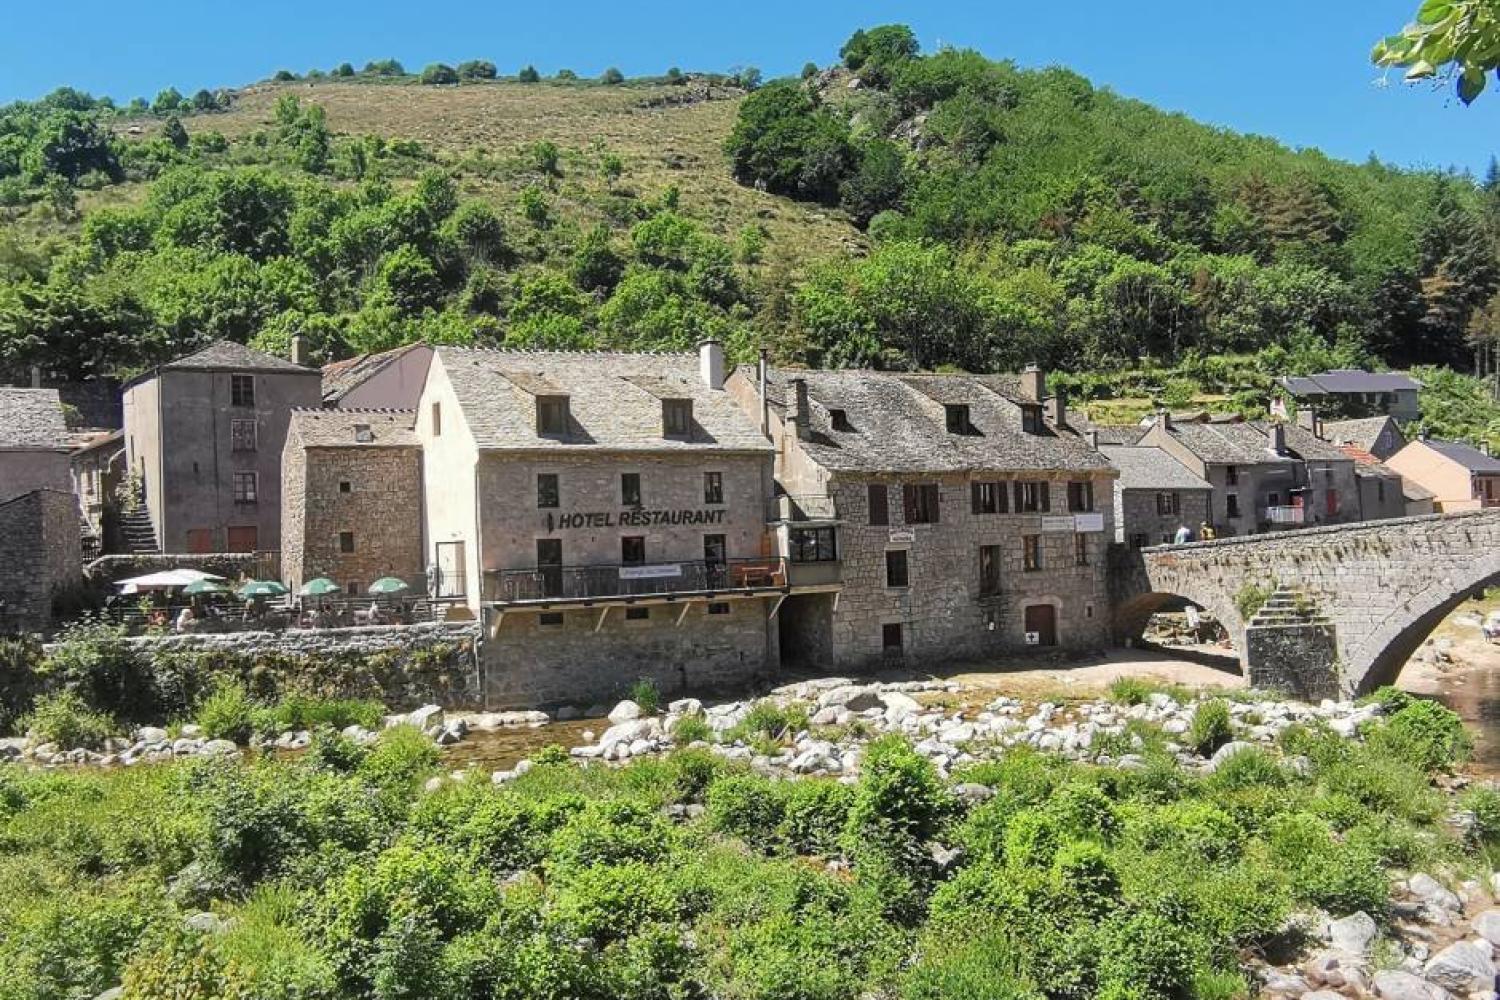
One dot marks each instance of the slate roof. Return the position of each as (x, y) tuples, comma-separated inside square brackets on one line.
[(336, 428), (32, 420), (1465, 455), (226, 355), (897, 424), (608, 408), (1348, 380), (1363, 432), (1116, 434), (1367, 465), (1150, 468), (1249, 443), (1308, 446), (342, 377)]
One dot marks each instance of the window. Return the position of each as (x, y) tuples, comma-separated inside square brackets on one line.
[(957, 415), (633, 550), (1031, 552), (1168, 503), (676, 417), (550, 619), (242, 435), (245, 487), (363, 434), (715, 550), (921, 503), (242, 390), (713, 487), (346, 541), (351, 587), (1080, 497), (890, 637), (840, 420), (1081, 549), (1032, 498), (437, 420), (895, 568), (1273, 499), (552, 415), (814, 545), (989, 570), (546, 490), (1031, 419), (637, 614), (1232, 507), (630, 489), (1380, 489), (1231, 475), (989, 498), (345, 486), (880, 507), (718, 608)]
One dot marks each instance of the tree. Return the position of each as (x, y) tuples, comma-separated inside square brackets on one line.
[(477, 69), (284, 76), (675, 77), (748, 77), (1450, 39), (612, 77), (596, 264), (204, 100), (439, 73), (167, 101), (343, 69), (384, 67), (784, 140), (528, 74), (874, 53), (809, 70), (174, 133), (69, 144)]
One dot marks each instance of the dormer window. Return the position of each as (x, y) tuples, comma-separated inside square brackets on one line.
[(676, 418), (1031, 419), (363, 434), (551, 415), (958, 418), (839, 420)]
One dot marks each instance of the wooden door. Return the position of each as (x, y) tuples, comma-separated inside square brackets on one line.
[(244, 538), (1042, 620)]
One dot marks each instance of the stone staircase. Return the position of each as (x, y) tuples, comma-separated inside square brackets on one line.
[(1292, 646), (136, 530), (1289, 606)]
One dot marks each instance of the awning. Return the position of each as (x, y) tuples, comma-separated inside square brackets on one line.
[(163, 580)]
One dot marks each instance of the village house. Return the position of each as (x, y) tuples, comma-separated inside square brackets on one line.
[(203, 439), (1265, 475), (389, 380), (605, 514), (33, 442), (1351, 392), (1155, 495), (1459, 476), (97, 465), (351, 499), (1380, 436), (40, 552), (961, 515)]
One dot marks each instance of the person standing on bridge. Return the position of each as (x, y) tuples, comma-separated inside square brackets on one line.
[(1184, 535)]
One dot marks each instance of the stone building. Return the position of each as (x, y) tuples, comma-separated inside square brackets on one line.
[(1353, 393), (204, 436), (1155, 495), (961, 514), (605, 514), (1458, 475), (40, 556), (98, 467), (351, 498), (1265, 475), (390, 380), (33, 442), (1380, 436)]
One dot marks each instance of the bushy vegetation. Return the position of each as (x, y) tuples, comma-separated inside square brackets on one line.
[(335, 875)]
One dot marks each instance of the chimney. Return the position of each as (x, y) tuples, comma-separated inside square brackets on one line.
[(1164, 418), (1278, 439), (1307, 419), (1484, 446), (1057, 408), (1033, 383), (765, 402), (1093, 439), (711, 363), (798, 414), (299, 349)]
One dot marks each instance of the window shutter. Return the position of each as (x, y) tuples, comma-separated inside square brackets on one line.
[(1046, 497), (933, 503), (975, 507)]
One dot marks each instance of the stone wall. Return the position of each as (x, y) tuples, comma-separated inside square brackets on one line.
[(1138, 515), (1299, 659), (40, 557), (528, 664)]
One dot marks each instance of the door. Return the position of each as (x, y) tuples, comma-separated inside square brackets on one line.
[(244, 538), (715, 569), (1041, 621), (200, 541), (452, 575), (549, 566)]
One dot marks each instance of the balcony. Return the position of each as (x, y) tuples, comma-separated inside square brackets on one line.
[(1292, 516), (615, 583), (809, 507)]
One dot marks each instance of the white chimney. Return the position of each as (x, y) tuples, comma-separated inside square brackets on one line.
[(36, 376), (299, 349), (1093, 439), (1033, 383), (1278, 439), (711, 363)]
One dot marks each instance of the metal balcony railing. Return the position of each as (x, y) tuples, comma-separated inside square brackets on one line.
[(1286, 515), (808, 507), (548, 584)]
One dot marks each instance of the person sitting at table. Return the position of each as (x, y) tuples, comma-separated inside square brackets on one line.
[(186, 620)]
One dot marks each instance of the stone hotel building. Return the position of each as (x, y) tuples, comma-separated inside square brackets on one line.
[(949, 515), (605, 514)]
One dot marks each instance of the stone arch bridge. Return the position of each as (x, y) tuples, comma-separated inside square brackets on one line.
[(1348, 604)]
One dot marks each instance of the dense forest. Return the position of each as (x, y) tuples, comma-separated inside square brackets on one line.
[(1007, 215)]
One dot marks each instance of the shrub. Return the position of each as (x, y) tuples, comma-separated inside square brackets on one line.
[(1390, 699), (332, 751), (1083, 811), (528, 74), (987, 966), (769, 721), (1484, 804), (748, 807), (226, 713), (185, 966), (400, 756), (477, 69), (64, 719), (611, 77), (1145, 955), (609, 832), (646, 694), (1249, 767), (436, 73), (898, 791), (1251, 598), (691, 729), (1031, 839), (1427, 734), (1210, 728), (609, 902), (1196, 826), (814, 813), (692, 772), (1340, 877)]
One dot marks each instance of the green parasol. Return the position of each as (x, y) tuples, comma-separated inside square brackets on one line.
[(320, 587), (388, 585), (199, 587), (262, 588)]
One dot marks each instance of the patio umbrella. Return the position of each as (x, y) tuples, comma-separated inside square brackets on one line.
[(320, 587), (163, 580), (198, 587), (262, 588), (388, 585)]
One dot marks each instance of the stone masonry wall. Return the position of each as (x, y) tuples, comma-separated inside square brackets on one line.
[(529, 664), (1138, 516), (40, 555), (382, 509)]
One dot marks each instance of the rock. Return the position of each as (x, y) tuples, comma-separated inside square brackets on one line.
[(568, 713), (426, 717), (1487, 926), (182, 748), (1353, 934), (433, 784), (686, 706), (945, 858), (852, 697), (973, 793), (220, 748), (1333, 969), (1323, 995), (113, 993), (150, 735), (594, 751), (625, 711), (641, 746), (205, 923), (825, 717), (1432, 892), (629, 732), (1276, 981), (1462, 967), (1225, 752), (1393, 985)]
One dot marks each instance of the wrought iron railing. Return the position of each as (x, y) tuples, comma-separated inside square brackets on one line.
[(1286, 515), (572, 583)]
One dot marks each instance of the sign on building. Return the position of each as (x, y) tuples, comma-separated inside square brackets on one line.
[(1057, 522), (1088, 522), (650, 572)]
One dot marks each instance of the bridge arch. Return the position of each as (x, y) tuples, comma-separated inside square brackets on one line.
[(1133, 614)]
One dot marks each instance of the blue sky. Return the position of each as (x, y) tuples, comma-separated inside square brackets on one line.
[(1293, 69)]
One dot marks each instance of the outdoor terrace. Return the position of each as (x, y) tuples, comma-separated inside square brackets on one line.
[(546, 586)]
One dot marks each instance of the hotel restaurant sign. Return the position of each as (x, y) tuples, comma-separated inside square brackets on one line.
[(634, 518)]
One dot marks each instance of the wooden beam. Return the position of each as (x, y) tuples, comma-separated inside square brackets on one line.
[(779, 602), (603, 614), (495, 628)]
